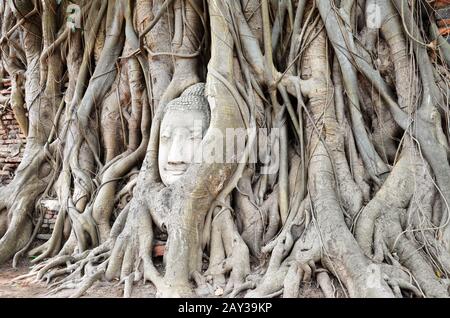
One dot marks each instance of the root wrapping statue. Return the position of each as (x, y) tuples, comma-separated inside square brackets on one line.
[(186, 120)]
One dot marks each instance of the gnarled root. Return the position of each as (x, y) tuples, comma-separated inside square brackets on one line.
[(17, 203), (228, 246), (125, 256)]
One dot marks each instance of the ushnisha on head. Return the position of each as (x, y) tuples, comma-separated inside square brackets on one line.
[(185, 122)]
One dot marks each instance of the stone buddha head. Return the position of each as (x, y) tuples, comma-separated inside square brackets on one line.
[(184, 124)]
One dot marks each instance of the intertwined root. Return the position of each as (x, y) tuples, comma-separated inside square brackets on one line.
[(128, 259), (79, 271), (229, 256), (292, 259), (16, 216)]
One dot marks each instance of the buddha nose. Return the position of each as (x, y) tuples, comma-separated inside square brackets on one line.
[(176, 153)]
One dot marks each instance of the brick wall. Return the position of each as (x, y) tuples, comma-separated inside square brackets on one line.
[(442, 14), (50, 210), (441, 3), (12, 141), (12, 144)]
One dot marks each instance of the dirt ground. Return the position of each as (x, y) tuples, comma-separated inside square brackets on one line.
[(28, 289)]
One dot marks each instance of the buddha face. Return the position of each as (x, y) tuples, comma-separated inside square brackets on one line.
[(180, 135)]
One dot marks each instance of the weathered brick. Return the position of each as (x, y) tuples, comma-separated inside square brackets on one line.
[(11, 139), (441, 3), (158, 250)]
